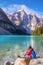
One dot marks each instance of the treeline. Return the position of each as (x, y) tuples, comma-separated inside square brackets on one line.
[(38, 31)]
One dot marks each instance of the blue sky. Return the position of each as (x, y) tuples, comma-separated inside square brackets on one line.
[(36, 5)]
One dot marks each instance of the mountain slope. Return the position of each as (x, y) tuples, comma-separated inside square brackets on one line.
[(22, 21), (4, 32), (5, 23), (19, 22), (3, 16), (4, 19)]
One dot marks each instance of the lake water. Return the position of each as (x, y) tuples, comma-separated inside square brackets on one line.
[(16, 45)]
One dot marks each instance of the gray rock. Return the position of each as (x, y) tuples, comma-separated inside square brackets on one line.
[(38, 61)]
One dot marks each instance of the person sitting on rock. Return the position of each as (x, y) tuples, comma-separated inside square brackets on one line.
[(29, 54)]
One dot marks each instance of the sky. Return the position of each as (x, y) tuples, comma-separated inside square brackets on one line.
[(34, 5)]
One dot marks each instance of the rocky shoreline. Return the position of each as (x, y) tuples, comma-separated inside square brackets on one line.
[(22, 61)]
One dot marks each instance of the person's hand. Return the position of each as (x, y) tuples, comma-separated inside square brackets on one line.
[(25, 55), (25, 52)]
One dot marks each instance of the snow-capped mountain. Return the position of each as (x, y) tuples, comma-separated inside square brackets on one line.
[(9, 16), (8, 26), (14, 8), (28, 21), (20, 16), (20, 22), (35, 21)]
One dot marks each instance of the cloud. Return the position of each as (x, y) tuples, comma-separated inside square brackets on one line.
[(14, 7)]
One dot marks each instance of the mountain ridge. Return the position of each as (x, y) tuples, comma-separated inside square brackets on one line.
[(19, 22), (31, 18)]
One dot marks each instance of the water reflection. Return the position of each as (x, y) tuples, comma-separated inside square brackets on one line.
[(37, 43)]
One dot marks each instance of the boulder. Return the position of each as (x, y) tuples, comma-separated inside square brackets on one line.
[(9, 63), (22, 61), (38, 61)]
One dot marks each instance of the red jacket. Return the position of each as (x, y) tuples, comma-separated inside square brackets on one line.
[(29, 52)]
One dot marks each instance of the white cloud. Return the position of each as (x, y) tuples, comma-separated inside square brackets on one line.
[(13, 8)]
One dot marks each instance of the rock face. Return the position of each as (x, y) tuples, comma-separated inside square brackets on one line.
[(4, 32), (9, 16), (35, 21), (15, 24), (3, 16), (6, 26), (21, 21), (41, 20), (25, 21)]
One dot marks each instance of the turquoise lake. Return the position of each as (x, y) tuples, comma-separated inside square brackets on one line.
[(14, 45)]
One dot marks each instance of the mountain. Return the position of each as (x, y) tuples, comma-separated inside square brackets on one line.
[(5, 23), (9, 16), (41, 20), (14, 8), (27, 21), (3, 16), (19, 23), (23, 21), (4, 32), (35, 21)]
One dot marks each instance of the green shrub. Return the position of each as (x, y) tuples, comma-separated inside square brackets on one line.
[(38, 31)]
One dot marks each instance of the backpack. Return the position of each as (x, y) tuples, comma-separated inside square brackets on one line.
[(33, 54)]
